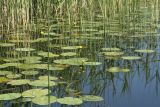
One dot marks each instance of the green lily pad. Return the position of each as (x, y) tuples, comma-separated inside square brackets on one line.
[(19, 82), (46, 78), (131, 57), (11, 59), (70, 101), (10, 96), (32, 59), (125, 70), (7, 44), (144, 51), (71, 61), (117, 69), (42, 39), (46, 54), (29, 72), (111, 49), (91, 98), (44, 100), (114, 69), (42, 83), (68, 54), (4, 80), (3, 73), (26, 66), (35, 93), (24, 49), (71, 47), (112, 53), (12, 64), (92, 63), (13, 76)]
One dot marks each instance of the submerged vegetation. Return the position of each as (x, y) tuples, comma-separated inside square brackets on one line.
[(75, 52)]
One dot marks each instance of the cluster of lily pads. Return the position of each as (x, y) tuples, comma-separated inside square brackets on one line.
[(41, 97)]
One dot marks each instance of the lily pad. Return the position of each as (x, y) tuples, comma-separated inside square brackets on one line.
[(114, 69), (111, 49), (68, 54), (70, 101), (46, 54), (44, 100), (42, 83), (4, 80), (71, 61), (35, 93), (19, 82), (7, 44), (11, 59), (46, 78), (117, 69), (24, 49), (32, 59), (13, 76), (29, 72), (131, 57), (144, 51), (125, 70), (113, 53), (92, 63), (71, 47), (3, 73), (10, 96), (91, 98)]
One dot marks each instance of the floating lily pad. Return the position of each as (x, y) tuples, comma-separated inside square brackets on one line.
[(113, 53), (144, 51), (35, 93), (10, 96), (4, 79), (11, 64), (3, 73), (46, 54), (70, 101), (131, 57), (117, 69), (44, 100), (68, 54), (13, 76), (71, 61), (24, 49), (91, 98), (46, 78), (92, 63), (11, 59), (52, 68), (114, 69), (7, 44), (26, 66), (125, 70), (42, 39), (111, 49), (19, 82), (42, 83), (3, 66), (71, 47), (32, 59), (30, 72)]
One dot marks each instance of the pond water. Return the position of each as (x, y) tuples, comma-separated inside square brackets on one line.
[(101, 62)]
